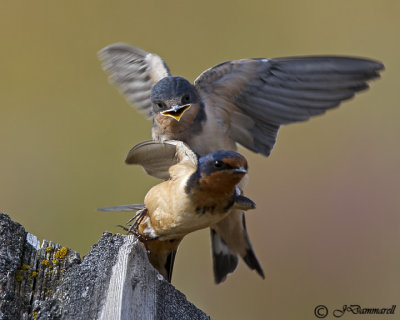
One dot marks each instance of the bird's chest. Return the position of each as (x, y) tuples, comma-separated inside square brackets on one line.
[(169, 129), (178, 218), (206, 203), (213, 136), (210, 211)]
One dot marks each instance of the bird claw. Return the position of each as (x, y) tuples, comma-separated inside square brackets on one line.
[(134, 228)]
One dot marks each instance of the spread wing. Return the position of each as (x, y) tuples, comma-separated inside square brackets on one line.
[(254, 97), (134, 71), (157, 157)]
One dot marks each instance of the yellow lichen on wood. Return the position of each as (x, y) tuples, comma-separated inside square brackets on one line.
[(25, 266), (46, 263), (22, 272), (60, 254)]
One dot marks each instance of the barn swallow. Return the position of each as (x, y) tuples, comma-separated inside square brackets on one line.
[(199, 192), (236, 102)]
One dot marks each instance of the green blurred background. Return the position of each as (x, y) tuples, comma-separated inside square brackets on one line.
[(327, 227)]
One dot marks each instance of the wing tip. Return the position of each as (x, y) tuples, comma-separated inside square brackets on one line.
[(340, 64), (130, 157), (121, 46), (122, 208)]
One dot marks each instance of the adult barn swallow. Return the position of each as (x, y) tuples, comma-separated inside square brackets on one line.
[(199, 192), (242, 101)]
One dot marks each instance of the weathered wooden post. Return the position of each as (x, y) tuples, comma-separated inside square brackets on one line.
[(113, 281)]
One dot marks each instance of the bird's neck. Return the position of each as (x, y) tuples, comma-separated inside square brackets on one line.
[(215, 190), (167, 128)]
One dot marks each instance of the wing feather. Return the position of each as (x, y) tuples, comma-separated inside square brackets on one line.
[(157, 157), (134, 71), (127, 207), (273, 92)]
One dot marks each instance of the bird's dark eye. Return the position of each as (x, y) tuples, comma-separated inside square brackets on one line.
[(218, 164), (185, 99), (160, 105)]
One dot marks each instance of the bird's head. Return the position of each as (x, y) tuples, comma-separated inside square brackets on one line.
[(173, 96), (221, 171)]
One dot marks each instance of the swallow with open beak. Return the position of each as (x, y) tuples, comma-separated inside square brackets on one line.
[(241, 101), (199, 192)]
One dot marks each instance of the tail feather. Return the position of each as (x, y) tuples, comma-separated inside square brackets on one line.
[(224, 260), (229, 238), (169, 265), (162, 254), (250, 257)]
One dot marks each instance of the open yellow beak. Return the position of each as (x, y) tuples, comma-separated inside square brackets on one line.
[(176, 111)]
